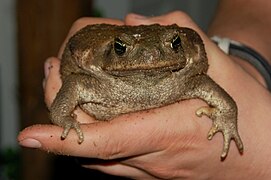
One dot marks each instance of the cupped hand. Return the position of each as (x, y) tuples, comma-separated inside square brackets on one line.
[(168, 142)]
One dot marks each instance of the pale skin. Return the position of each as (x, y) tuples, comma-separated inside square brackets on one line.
[(169, 142)]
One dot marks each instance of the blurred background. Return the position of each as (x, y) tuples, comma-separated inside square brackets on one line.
[(31, 31)]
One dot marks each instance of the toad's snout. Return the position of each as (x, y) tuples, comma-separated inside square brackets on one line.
[(150, 56)]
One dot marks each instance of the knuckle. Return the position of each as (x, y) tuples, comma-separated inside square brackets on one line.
[(80, 22), (179, 17), (179, 14)]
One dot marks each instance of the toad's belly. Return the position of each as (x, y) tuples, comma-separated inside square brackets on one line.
[(113, 102)]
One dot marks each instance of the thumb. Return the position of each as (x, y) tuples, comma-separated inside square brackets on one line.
[(122, 137)]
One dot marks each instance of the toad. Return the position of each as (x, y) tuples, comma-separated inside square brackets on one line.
[(109, 70)]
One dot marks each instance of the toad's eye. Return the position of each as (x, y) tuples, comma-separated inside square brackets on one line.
[(119, 47), (176, 43)]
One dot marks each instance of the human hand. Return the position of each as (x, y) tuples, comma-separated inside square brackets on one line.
[(169, 142)]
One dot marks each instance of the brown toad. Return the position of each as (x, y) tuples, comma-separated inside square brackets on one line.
[(109, 70)]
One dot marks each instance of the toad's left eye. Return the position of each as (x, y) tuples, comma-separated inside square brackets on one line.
[(176, 43), (119, 46)]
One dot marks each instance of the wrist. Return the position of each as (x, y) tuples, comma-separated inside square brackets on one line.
[(248, 59)]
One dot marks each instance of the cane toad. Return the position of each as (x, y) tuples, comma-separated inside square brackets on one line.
[(109, 70)]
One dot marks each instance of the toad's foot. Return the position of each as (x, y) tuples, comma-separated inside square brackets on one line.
[(68, 124), (224, 123)]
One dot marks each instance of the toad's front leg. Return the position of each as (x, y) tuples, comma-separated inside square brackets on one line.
[(61, 110), (222, 110)]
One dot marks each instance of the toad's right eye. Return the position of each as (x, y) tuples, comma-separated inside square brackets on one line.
[(119, 47), (176, 43)]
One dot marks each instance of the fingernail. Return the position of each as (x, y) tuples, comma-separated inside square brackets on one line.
[(30, 143)]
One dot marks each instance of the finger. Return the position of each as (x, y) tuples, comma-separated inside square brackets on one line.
[(177, 17), (82, 22), (127, 135), (52, 81), (121, 137), (151, 164), (118, 169)]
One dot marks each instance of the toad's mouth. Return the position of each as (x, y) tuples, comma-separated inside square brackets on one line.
[(143, 69)]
